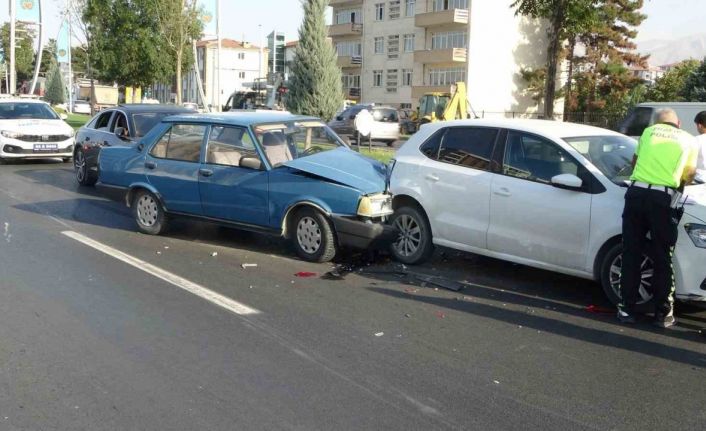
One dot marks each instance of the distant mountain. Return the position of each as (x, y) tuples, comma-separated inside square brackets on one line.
[(672, 51)]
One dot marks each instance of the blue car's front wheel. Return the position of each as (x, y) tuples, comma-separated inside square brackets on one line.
[(312, 235)]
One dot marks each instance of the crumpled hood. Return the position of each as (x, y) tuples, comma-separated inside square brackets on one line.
[(346, 167), (696, 201), (36, 127)]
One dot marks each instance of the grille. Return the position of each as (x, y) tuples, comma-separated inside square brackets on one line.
[(43, 138)]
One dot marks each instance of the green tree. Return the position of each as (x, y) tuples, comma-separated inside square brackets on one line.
[(669, 87), (125, 42), (48, 58), (55, 93), (315, 88), (179, 25), (695, 85), (564, 18), (24, 49)]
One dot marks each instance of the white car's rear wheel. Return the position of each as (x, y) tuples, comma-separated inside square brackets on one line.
[(414, 240), (611, 269)]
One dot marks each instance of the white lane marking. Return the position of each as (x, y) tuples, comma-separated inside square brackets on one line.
[(191, 287)]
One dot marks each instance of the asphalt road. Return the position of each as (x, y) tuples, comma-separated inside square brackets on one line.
[(91, 339)]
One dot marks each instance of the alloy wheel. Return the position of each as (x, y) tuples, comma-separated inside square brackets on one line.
[(80, 165), (410, 235), (645, 291)]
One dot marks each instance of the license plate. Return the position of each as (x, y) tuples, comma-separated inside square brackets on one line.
[(45, 148)]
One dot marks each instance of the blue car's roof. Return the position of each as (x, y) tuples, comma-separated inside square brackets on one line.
[(134, 108), (240, 118)]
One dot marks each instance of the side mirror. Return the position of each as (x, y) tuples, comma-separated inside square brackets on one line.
[(251, 163), (63, 116), (121, 133), (567, 182)]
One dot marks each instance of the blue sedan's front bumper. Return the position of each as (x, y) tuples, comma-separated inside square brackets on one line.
[(354, 233)]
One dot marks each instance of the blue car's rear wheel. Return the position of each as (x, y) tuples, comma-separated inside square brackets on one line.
[(148, 212), (312, 235)]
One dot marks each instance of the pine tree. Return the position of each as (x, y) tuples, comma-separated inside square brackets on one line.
[(695, 86), (315, 87), (55, 93)]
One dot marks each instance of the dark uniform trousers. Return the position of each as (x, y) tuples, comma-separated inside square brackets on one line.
[(648, 211)]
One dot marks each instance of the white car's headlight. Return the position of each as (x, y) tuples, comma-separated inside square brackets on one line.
[(9, 134), (378, 205), (697, 233)]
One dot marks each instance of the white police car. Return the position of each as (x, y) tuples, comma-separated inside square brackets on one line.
[(30, 129)]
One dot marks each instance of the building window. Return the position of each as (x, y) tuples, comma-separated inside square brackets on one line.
[(406, 77), (408, 43), (379, 45), (241, 75), (449, 39), (394, 10), (350, 81), (393, 46), (241, 56), (379, 11), (450, 4), (377, 78), (391, 81), (409, 7), (447, 76), (348, 16), (348, 49), (405, 106)]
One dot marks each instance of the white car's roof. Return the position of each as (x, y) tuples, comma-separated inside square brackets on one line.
[(557, 129), (21, 100)]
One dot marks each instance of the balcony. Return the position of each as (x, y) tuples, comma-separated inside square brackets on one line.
[(420, 90), (333, 3), (449, 17), (346, 61), (451, 55), (350, 29)]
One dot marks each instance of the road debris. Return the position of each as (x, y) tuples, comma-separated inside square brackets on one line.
[(249, 265), (599, 310), (496, 382), (442, 282), (411, 290), (440, 314), (305, 274), (407, 315), (159, 252), (166, 247), (379, 334), (214, 254)]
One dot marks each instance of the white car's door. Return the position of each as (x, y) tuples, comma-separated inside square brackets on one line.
[(529, 217), (456, 182)]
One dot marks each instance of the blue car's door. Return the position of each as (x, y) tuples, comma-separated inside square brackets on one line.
[(172, 167), (233, 180)]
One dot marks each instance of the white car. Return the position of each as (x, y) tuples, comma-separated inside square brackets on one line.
[(82, 107), (540, 193), (30, 129)]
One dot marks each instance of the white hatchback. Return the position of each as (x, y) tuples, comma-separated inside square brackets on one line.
[(30, 129), (540, 193)]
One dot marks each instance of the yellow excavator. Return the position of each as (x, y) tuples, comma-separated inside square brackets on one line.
[(442, 106)]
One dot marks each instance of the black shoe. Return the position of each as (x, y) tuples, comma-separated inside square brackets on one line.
[(625, 317), (662, 321)]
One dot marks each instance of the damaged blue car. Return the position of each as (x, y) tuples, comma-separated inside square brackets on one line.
[(274, 173)]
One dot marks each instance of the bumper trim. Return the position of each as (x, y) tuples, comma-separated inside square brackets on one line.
[(362, 235)]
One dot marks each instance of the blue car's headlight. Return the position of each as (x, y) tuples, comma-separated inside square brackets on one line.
[(697, 233), (378, 205)]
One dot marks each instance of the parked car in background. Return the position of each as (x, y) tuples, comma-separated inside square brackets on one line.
[(31, 129), (540, 193), (386, 127), (82, 107), (118, 126), (643, 116), (271, 172)]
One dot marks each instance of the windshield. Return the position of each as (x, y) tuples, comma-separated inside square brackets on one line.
[(146, 121), (23, 110), (612, 155), (291, 140)]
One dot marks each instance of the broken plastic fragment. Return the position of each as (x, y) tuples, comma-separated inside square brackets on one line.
[(599, 310), (249, 265), (379, 334), (305, 274), (214, 254)]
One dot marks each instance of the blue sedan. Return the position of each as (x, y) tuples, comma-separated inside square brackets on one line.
[(274, 173)]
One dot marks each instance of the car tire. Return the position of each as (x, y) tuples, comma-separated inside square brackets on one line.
[(390, 143), (313, 235), (148, 212), (66, 159), (83, 174), (414, 243), (610, 278)]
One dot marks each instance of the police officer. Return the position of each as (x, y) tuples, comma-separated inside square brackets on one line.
[(664, 161)]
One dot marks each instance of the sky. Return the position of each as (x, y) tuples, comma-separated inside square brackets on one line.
[(667, 19)]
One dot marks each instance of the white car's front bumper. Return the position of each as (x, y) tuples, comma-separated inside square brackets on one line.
[(18, 149), (689, 265)]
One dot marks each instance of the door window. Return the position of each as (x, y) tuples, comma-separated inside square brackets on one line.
[(120, 121), (103, 120), (180, 142), (471, 147), (230, 146), (535, 159)]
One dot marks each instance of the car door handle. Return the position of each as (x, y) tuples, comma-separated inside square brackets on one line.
[(432, 177), (205, 172), (502, 191), (150, 165)]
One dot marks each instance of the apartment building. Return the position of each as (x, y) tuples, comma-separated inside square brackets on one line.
[(394, 51)]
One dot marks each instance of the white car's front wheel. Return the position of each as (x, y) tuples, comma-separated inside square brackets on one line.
[(611, 270), (414, 240)]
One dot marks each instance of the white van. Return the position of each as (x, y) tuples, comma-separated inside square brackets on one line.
[(643, 115)]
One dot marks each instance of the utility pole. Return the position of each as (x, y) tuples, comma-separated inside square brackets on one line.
[(13, 78), (259, 63), (218, 56), (40, 48), (71, 80)]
